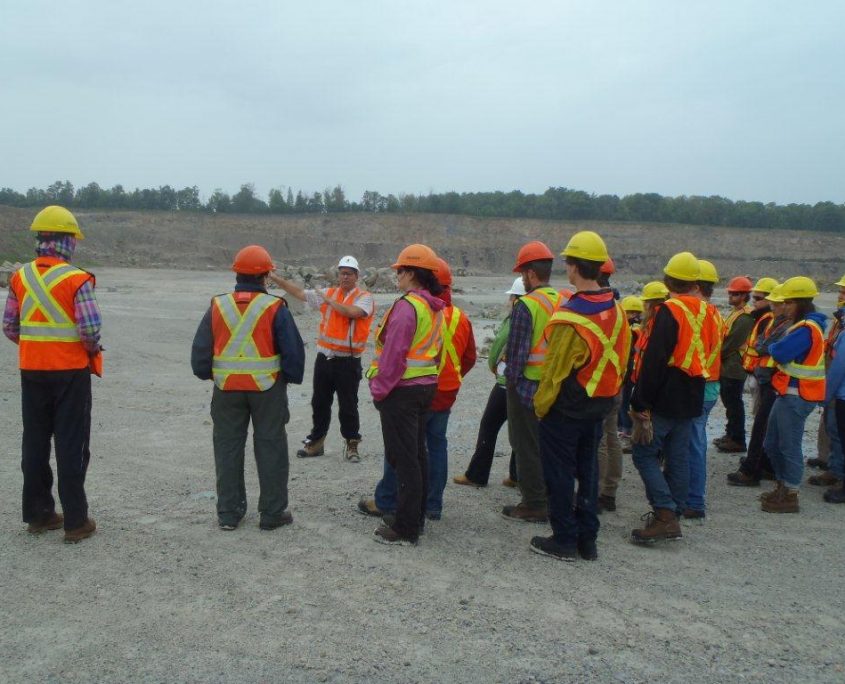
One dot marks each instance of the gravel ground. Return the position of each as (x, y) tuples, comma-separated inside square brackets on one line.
[(159, 594)]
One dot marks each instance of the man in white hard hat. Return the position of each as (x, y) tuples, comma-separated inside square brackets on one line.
[(346, 315)]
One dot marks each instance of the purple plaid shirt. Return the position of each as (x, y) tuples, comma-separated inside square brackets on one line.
[(518, 350), (85, 309)]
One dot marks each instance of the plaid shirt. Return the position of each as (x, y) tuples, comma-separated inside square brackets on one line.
[(518, 349), (85, 309)]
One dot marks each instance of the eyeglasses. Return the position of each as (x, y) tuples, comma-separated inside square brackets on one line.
[(758, 298)]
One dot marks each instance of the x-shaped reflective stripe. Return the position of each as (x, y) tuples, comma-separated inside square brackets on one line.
[(241, 326), (448, 347), (39, 293), (696, 323)]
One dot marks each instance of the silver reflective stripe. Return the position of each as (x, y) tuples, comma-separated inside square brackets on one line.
[(420, 363), (244, 329), (797, 370), (235, 365), (35, 288), (264, 382), (229, 310), (57, 272), (65, 333)]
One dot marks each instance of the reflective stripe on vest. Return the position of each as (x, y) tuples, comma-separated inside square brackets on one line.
[(333, 324), (541, 304), (59, 327), (611, 347), (810, 374), (240, 356), (420, 360), (751, 358), (449, 352), (695, 346)]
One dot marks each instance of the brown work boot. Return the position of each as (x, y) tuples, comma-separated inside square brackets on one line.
[(661, 525), (740, 479), (82, 532), (786, 503), (351, 452), (464, 480), (521, 513), (775, 493), (729, 446), (368, 507), (507, 482), (53, 522), (312, 448), (825, 479)]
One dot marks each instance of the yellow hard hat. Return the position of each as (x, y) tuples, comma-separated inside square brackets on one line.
[(840, 282), (774, 295), (56, 219), (587, 245), (654, 290), (799, 287), (683, 266), (708, 272), (765, 285), (632, 303)]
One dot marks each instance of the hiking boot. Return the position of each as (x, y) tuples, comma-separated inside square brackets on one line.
[(835, 495), (694, 514), (660, 525), (605, 503), (719, 440), (825, 479), (729, 446), (368, 507), (82, 532), (587, 549), (775, 493), (507, 482), (817, 463), (464, 480), (312, 448), (351, 451), (52, 522), (786, 503), (521, 513), (228, 526), (740, 479), (390, 518), (387, 535), (285, 519), (547, 546)]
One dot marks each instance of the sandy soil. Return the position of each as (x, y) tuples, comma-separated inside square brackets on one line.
[(159, 594)]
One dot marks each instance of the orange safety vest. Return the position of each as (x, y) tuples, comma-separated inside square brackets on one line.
[(809, 373), (714, 326), (338, 332), (830, 342), (541, 304), (456, 332), (750, 358), (691, 352), (49, 339), (608, 337), (641, 342), (245, 356), (426, 344)]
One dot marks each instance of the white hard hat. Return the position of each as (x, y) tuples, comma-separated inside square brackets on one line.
[(518, 288), (348, 262)]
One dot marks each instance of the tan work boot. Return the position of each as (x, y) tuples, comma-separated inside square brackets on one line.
[(661, 525), (507, 482), (825, 479), (351, 452), (54, 522), (83, 532), (787, 502), (464, 480), (775, 493), (312, 448)]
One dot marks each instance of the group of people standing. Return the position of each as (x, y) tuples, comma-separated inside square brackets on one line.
[(581, 377)]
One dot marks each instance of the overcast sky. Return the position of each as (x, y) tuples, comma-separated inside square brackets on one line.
[(740, 99)]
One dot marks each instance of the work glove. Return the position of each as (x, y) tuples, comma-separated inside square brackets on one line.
[(643, 431)]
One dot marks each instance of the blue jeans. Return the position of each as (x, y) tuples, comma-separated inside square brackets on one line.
[(783, 438), (438, 466), (667, 488), (698, 458), (836, 461), (569, 451)]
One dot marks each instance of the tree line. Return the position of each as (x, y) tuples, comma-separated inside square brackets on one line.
[(554, 203)]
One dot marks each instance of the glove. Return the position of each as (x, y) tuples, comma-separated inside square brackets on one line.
[(643, 431)]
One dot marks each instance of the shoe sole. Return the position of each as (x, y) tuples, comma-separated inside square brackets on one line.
[(398, 542), (270, 528), (540, 552), (76, 540), (303, 454), (368, 512), (654, 540), (765, 509), (524, 520), (45, 528)]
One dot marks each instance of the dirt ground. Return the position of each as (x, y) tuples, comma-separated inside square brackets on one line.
[(159, 594)]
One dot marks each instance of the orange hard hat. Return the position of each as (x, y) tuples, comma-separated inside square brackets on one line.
[(532, 251), (444, 273), (740, 284), (253, 260), (608, 267), (419, 256)]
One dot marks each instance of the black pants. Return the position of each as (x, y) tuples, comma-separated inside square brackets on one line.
[(495, 415), (341, 375), (731, 394), (403, 420), (55, 404), (756, 462)]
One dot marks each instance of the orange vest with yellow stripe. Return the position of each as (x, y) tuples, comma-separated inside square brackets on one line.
[(49, 339), (810, 373), (456, 332), (690, 354), (541, 304), (245, 356), (641, 342), (750, 358), (340, 333)]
